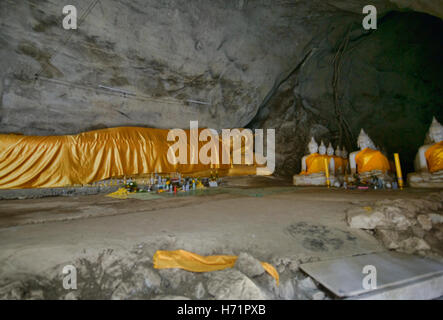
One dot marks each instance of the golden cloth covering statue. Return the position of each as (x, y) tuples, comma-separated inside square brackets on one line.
[(313, 166), (369, 161), (429, 160), (81, 159)]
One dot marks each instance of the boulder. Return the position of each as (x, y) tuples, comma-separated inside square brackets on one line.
[(248, 265), (425, 221), (388, 237), (414, 244), (307, 284), (318, 295), (286, 290), (362, 218), (200, 291), (231, 284)]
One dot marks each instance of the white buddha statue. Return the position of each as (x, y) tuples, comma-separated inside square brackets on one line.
[(429, 160), (368, 161), (313, 149), (313, 166), (338, 161), (332, 159)]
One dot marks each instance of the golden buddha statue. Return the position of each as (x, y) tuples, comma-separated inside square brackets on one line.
[(429, 160), (338, 160), (313, 166), (368, 161)]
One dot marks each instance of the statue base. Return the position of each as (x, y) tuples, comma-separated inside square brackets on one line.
[(313, 179), (426, 179), (367, 176)]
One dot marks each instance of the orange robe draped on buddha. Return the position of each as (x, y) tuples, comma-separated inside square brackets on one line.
[(345, 165), (434, 157), (369, 160), (338, 164), (315, 163)]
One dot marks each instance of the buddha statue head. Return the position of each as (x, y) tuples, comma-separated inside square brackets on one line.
[(312, 146), (322, 148), (363, 141), (435, 133), (344, 153), (330, 150), (338, 151)]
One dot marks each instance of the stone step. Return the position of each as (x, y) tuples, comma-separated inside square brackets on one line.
[(396, 275)]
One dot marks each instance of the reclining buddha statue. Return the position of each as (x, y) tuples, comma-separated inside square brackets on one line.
[(313, 166), (429, 160), (368, 161)]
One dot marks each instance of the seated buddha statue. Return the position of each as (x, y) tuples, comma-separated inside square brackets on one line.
[(429, 160), (338, 161), (368, 161), (313, 166), (331, 157)]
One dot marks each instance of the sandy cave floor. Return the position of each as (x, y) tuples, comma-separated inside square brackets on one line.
[(308, 223)]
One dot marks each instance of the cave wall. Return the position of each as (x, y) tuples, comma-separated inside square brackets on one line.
[(224, 53), (390, 84)]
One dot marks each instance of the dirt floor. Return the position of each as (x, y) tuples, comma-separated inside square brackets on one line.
[(264, 217)]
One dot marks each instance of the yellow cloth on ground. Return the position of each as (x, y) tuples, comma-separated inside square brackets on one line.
[(196, 263), (369, 160), (121, 193), (434, 157), (315, 163), (59, 161)]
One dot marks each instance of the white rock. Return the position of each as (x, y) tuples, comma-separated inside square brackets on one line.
[(414, 244), (307, 283), (318, 295), (436, 218), (293, 266), (36, 294), (200, 290), (363, 219), (122, 292), (73, 295), (388, 237), (150, 278), (249, 265), (286, 290), (231, 284)]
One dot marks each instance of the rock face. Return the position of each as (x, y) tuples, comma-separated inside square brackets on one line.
[(261, 64), (129, 275), (231, 284), (249, 265), (412, 225)]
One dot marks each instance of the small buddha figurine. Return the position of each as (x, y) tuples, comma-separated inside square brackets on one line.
[(368, 161), (331, 157), (313, 166), (429, 160), (338, 161)]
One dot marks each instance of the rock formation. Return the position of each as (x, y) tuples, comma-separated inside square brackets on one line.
[(227, 64)]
